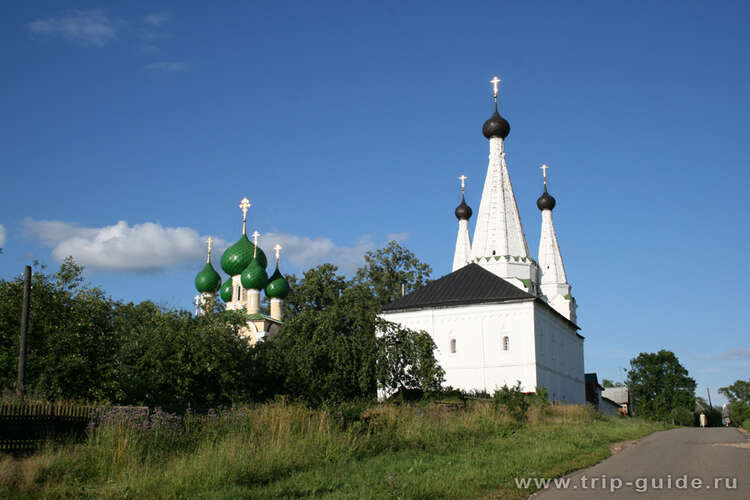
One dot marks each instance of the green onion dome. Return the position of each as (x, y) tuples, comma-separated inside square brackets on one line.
[(208, 280), (226, 290), (254, 277), (278, 286), (237, 257)]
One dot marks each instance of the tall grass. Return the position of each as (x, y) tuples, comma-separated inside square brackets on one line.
[(283, 449)]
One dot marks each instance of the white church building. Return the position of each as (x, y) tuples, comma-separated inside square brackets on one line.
[(501, 317)]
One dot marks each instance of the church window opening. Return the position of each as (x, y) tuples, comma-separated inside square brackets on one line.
[(453, 346), (506, 343)]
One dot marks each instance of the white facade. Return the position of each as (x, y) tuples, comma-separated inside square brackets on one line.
[(482, 347)]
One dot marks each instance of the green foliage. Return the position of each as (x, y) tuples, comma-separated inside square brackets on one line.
[(660, 388), (406, 360), (681, 416), (513, 400), (738, 391), (327, 354), (71, 347), (739, 411), (387, 269), (82, 345), (326, 350), (282, 450), (607, 383), (746, 423)]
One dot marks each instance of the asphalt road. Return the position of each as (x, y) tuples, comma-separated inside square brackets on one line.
[(688, 462)]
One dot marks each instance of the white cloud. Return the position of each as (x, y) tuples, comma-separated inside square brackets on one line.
[(303, 252), (400, 237), (156, 18), (90, 27), (141, 247), (739, 353), (151, 246), (167, 66), (2, 236)]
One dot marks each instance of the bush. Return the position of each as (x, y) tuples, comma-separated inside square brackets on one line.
[(746, 424), (513, 400), (682, 416)]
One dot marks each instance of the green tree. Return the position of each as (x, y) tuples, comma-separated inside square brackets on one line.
[(738, 395), (406, 359), (738, 391), (388, 269), (176, 360), (660, 387), (71, 346), (326, 351)]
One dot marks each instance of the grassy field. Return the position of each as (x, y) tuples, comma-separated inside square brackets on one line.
[(285, 450)]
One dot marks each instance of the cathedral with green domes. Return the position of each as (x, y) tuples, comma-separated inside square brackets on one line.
[(246, 264)]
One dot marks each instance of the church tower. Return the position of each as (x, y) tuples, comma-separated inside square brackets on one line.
[(245, 263), (207, 282), (462, 255), (499, 241), (554, 286)]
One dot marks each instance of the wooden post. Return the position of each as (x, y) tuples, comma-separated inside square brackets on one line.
[(24, 326)]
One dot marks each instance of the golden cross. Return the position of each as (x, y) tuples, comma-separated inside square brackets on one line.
[(463, 182), (494, 83), (544, 170), (277, 249), (209, 240), (244, 205), (255, 242)]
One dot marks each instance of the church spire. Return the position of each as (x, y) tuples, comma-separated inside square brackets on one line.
[(499, 240), (462, 255), (553, 282)]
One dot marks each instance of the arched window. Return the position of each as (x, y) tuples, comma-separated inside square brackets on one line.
[(453, 346), (506, 343)]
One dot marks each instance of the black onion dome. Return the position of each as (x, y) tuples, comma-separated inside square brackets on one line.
[(463, 211), (496, 126), (546, 201)]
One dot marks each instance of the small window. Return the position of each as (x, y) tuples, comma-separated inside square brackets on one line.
[(506, 343), (453, 346)]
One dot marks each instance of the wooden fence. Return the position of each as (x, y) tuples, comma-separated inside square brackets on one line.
[(23, 427)]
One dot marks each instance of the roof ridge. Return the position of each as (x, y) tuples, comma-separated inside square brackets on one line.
[(470, 284)]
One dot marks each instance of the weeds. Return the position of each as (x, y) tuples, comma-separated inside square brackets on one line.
[(284, 449)]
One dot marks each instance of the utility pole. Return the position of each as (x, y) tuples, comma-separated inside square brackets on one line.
[(24, 327), (709, 398)]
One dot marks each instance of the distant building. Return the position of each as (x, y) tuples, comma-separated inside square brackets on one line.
[(620, 396), (595, 398), (501, 317)]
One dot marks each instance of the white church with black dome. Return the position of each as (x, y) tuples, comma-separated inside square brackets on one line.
[(501, 316)]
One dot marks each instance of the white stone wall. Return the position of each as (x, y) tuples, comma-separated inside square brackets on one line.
[(544, 349), (480, 362), (559, 356)]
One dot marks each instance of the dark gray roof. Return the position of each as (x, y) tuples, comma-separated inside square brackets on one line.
[(472, 284)]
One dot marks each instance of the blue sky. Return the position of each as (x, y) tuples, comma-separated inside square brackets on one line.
[(130, 131)]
